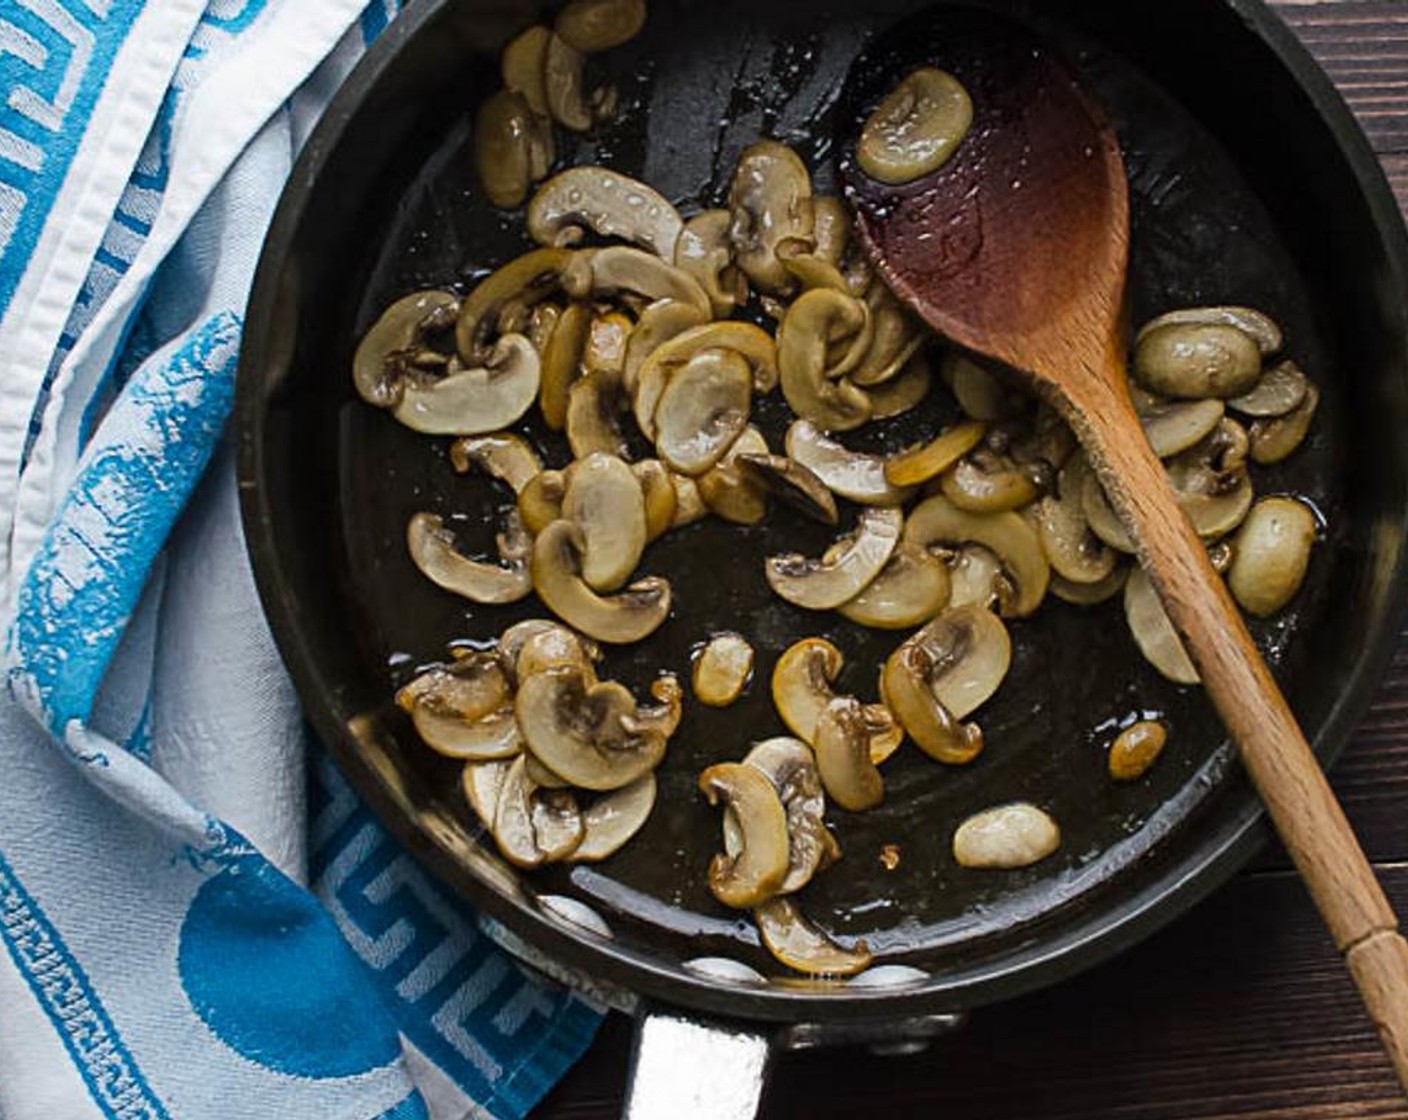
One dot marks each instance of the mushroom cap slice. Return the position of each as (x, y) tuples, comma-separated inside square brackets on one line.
[(916, 129), (524, 281), (1158, 641), (1192, 360), (822, 585), (702, 410), (792, 484), (843, 757), (448, 705), (661, 498), (1259, 327), (831, 228), (689, 503), (469, 402), (502, 455), (968, 652), (612, 820), (659, 322), (600, 25), (521, 67), (800, 945), (605, 501), (791, 767), (981, 393), (929, 460), (812, 324), (905, 684), (1274, 438), (976, 577), (577, 729), (759, 869), (505, 132), (1280, 390), (485, 739), (770, 201), (537, 645), (562, 361), (388, 351), (936, 520), (608, 203), (725, 491), (704, 251), (564, 85), (540, 500), (984, 482), (912, 588), (1271, 555), (1075, 553), (853, 475), (801, 684), (617, 269), (1174, 426), (628, 616), (594, 404), (722, 670), (482, 782), (904, 392), (751, 341), (1090, 594), (432, 549), (531, 829), (1007, 836)]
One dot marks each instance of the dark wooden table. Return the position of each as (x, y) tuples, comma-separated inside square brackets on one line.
[(1241, 1009)]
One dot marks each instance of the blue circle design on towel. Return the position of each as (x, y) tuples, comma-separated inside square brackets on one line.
[(267, 971)]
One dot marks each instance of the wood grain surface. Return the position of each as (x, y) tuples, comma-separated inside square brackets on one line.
[(1241, 1009)]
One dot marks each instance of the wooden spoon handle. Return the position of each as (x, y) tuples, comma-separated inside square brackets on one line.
[(1260, 722)]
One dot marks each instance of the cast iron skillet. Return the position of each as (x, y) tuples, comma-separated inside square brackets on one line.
[(1250, 183)]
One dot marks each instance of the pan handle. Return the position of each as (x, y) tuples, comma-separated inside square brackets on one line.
[(683, 1068)]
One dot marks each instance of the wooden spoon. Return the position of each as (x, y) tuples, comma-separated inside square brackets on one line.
[(1017, 250)]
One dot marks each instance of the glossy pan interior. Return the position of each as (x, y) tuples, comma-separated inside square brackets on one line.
[(1249, 183)]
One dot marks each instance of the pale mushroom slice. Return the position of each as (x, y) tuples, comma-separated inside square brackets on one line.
[(801, 690), (562, 361), (1212, 482), (607, 203), (848, 774), (1076, 554), (594, 404), (396, 345), (466, 402), (620, 269), (689, 501), (482, 782), (916, 129), (579, 729), (770, 201), (759, 869), (725, 492), (1256, 325), (904, 685), (537, 644), (660, 496), (540, 500), (822, 585), (659, 322), (1100, 515), (702, 410), (981, 394), (532, 828), (628, 616), (448, 705), (1271, 555), (1280, 390), (1006, 837), (1196, 360), (605, 501), (936, 521), (905, 392), (1173, 427), (746, 339), (813, 323), (564, 85), (600, 25), (1090, 594), (704, 251), (831, 228), (800, 945), (919, 464), (791, 767), (521, 66), (606, 343), (1153, 633), (976, 577), (513, 145), (722, 669), (792, 484), (524, 282), (986, 482), (912, 588), (611, 821), (502, 455), (853, 475), (969, 653), (432, 549), (1274, 438)]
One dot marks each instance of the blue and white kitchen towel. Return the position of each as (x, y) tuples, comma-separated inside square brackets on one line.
[(187, 931)]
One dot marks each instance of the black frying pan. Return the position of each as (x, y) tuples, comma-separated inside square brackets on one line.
[(1250, 183)]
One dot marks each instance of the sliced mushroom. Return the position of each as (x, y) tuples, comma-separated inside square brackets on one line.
[(981, 393), (976, 577), (1273, 440), (664, 717), (1260, 328), (392, 349), (562, 360), (1153, 633), (540, 500), (967, 652), (904, 392), (611, 821), (822, 585), (919, 464), (1175, 426), (985, 482), (689, 503), (565, 87), (617, 269), (800, 945), (628, 616), (433, 551), (916, 129), (770, 202), (831, 228), (752, 342), (1090, 594), (1195, 360), (725, 492), (600, 25), (911, 589), (523, 64), (530, 828), (1074, 551), (659, 322), (722, 670), (606, 343), (705, 252), (509, 458), (791, 767), (801, 684), (851, 474), (1006, 837), (658, 492), (936, 520), (792, 484), (482, 783), (593, 405), (525, 282), (843, 757), (813, 271), (757, 872), (511, 143), (609, 204), (1135, 750), (456, 710), (816, 320), (895, 336), (474, 401), (702, 410), (538, 645), (578, 729), (1280, 390), (605, 501), (1271, 555), (1211, 479), (1100, 515)]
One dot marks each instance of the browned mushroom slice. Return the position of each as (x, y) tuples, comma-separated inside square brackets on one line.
[(1271, 555), (540, 500), (905, 392), (1273, 439), (812, 324), (770, 201), (605, 501), (1074, 551), (612, 820), (822, 585), (1196, 360), (752, 342), (912, 588), (894, 339), (607, 203), (522, 67), (532, 828), (606, 344), (1153, 633), (600, 25), (511, 144), (659, 322), (798, 944), (594, 405), (936, 521), (502, 455), (661, 498), (622, 270), (564, 85), (689, 501), (578, 729), (759, 869), (392, 349), (562, 359), (703, 409), (525, 281), (791, 767), (1280, 390), (919, 464), (474, 401), (801, 684), (538, 644), (722, 670), (792, 484), (843, 757), (433, 551), (853, 475), (448, 706), (628, 616), (704, 251), (725, 492)]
